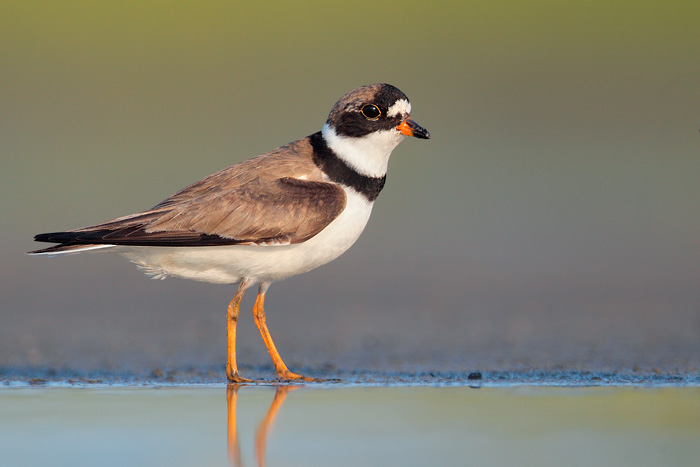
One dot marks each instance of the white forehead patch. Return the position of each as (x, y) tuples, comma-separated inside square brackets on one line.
[(401, 107)]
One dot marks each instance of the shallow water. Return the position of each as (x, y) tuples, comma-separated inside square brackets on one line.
[(349, 425)]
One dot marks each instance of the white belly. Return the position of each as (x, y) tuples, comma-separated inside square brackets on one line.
[(228, 264)]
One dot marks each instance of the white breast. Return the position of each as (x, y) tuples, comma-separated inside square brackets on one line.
[(228, 264)]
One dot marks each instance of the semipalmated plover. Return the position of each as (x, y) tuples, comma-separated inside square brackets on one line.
[(267, 218)]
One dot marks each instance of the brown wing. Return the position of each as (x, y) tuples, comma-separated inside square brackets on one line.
[(291, 160), (283, 210)]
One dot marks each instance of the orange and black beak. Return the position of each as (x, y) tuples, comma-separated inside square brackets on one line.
[(411, 128)]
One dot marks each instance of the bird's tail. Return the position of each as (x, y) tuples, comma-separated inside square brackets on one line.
[(64, 249)]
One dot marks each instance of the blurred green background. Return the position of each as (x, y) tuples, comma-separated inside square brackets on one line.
[(552, 221)]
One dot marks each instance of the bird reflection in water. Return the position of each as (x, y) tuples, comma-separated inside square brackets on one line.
[(234, 451)]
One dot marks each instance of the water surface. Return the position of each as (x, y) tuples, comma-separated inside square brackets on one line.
[(349, 425)]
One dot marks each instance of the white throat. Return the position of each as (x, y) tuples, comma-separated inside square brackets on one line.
[(369, 154)]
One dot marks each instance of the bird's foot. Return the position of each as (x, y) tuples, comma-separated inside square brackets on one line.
[(288, 376), (234, 377)]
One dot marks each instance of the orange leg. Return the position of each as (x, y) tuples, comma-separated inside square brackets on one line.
[(259, 314), (234, 309)]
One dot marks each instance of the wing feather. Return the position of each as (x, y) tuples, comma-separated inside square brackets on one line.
[(281, 210)]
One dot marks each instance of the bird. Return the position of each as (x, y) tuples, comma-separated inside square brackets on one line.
[(267, 218)]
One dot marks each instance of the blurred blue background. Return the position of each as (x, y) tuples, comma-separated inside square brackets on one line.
[(552, 220)]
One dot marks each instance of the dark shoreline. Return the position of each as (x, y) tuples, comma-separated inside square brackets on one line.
[(40, 376)]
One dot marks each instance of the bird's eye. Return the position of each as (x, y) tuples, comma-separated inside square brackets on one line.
[(371, 111)]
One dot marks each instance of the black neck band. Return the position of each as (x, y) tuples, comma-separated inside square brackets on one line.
[(337, 170)]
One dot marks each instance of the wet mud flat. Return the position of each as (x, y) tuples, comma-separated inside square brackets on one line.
[(328, 377), (191, 417)]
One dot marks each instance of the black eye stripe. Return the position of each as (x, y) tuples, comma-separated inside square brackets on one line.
[(347, 118)]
